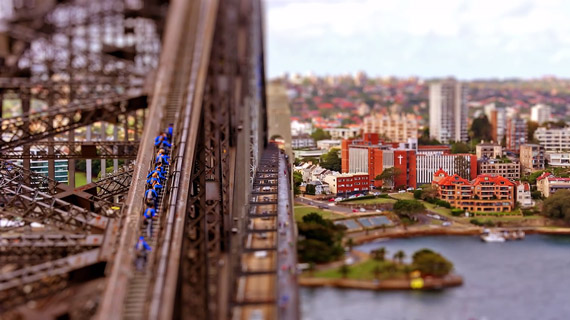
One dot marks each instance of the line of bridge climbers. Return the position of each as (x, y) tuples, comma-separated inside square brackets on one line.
[(155, 179)]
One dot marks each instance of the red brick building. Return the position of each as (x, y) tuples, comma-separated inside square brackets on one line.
[(347, 183), (367, 155), (484, 194)]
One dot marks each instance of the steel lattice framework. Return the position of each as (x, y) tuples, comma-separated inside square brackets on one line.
[(67, 64), (77, 150)]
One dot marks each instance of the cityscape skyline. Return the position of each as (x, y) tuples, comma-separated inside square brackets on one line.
[(430, 40)]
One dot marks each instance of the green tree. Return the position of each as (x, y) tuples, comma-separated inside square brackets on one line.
[(297, 180), (459, 147), (389, 175), (431, 263), (557, 205), (531, 127), (379, 254), (399, 256), (320, 134), (427, 192), (331, 160), (310, 189), (481, 129), (408, 207), (320, 239), (426, 140)]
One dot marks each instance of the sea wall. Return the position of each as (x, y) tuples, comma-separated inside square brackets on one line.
[(393, 284)]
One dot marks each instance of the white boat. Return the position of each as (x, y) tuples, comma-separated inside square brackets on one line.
[(492, 237)]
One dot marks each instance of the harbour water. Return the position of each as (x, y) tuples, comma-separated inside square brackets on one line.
[(519, 280)]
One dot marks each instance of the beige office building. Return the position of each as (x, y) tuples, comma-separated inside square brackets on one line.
[(395, 127)]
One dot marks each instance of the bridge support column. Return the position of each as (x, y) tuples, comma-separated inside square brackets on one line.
[(88, 162)]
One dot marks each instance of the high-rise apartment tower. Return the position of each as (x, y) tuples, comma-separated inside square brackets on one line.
[(448, 111)]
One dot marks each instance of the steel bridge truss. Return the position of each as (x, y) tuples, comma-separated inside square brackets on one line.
[(17, 131), (77, 150), (227, 99)]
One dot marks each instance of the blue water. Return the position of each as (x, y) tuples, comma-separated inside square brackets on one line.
[(527, 279)]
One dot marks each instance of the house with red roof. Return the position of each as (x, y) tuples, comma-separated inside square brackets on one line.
[(483, 194), (548, 184)]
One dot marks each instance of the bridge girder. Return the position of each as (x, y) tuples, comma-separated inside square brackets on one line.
[(44, 150)]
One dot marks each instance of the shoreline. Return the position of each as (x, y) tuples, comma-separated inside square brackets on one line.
[(384, 285), (474, 231)]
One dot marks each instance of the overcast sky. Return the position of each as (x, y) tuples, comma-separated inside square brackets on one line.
[(427, 38)]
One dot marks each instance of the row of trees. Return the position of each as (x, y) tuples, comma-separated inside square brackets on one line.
[(426, 261), (557, 206)]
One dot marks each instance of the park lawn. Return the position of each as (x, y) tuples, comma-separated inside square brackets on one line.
[(301, 211), (371, 201), (402, 196), (440, 210), (361, 271), (432, 207)]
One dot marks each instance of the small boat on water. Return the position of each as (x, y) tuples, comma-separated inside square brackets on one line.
[(501, 236), (492, 237)]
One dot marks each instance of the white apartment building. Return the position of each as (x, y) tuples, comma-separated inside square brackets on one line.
[(553, 140), (426, 166), (448, 111), (541, 113), (342, 133), (329, 144), (558, 159), (524, 197), (395, 127), (302, 141)]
